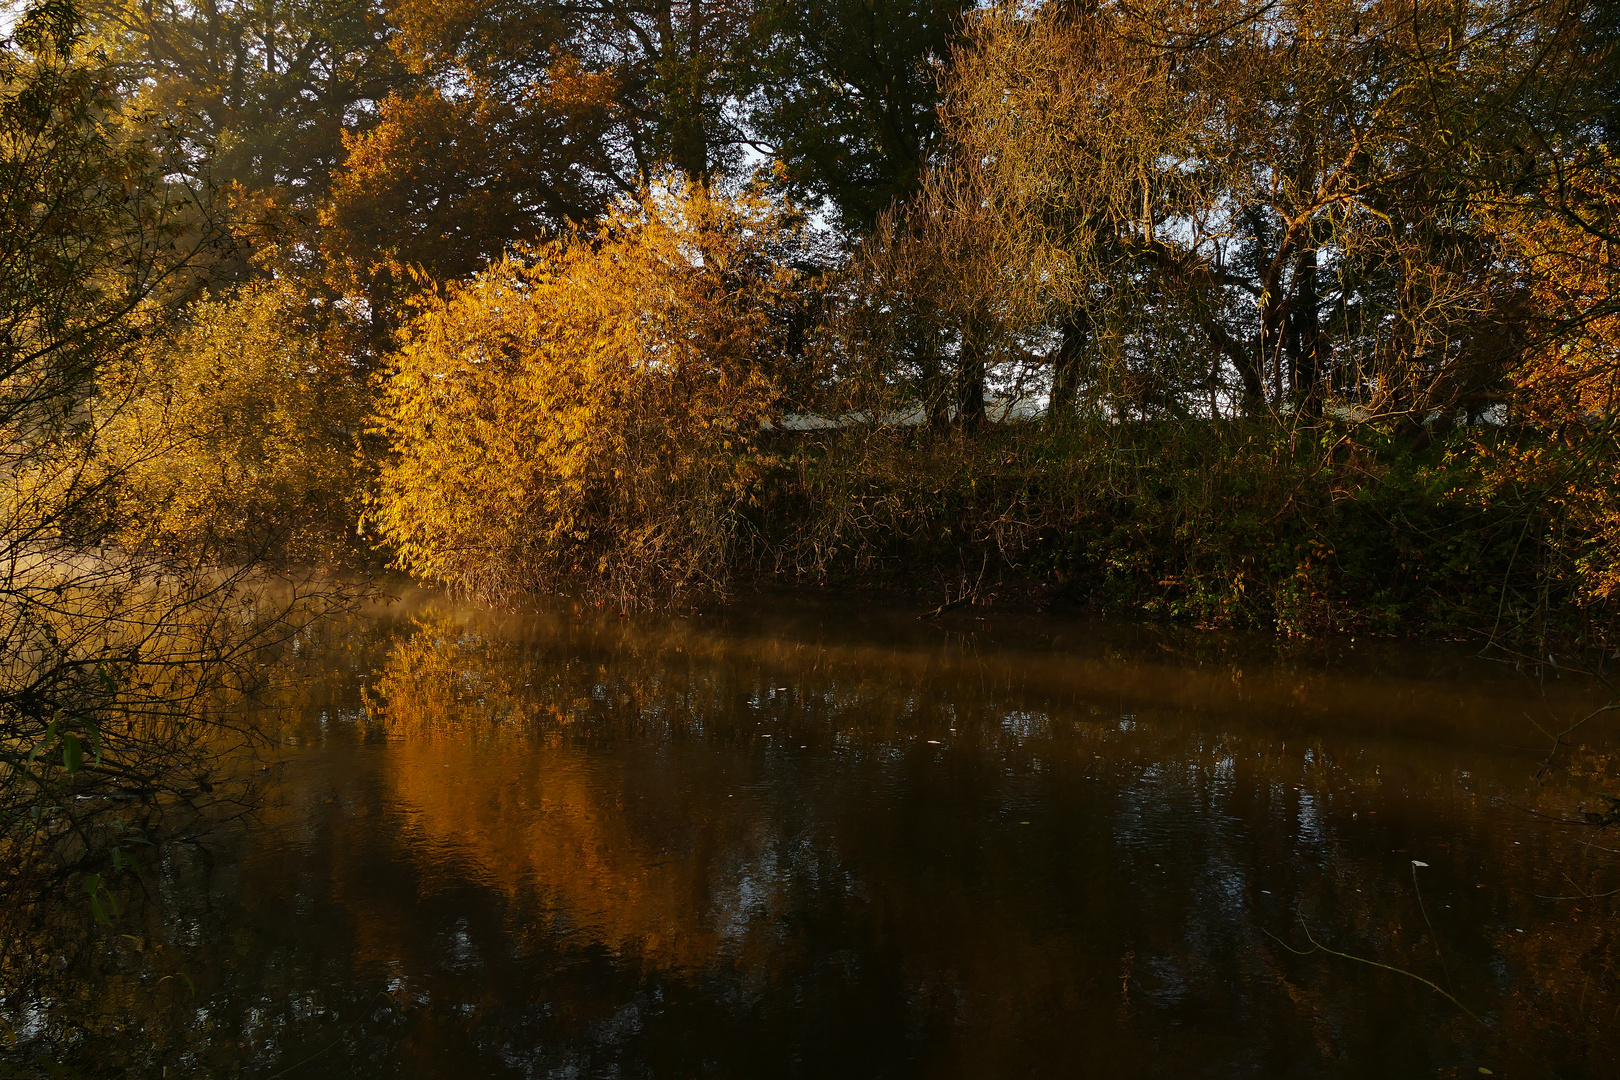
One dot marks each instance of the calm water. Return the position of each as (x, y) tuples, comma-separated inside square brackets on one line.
[(816, 839)]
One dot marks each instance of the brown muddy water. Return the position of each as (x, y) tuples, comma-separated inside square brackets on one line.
[(810, 838)]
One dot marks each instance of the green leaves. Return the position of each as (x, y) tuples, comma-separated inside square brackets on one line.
[(51, 24), (103, 904), (59, 732), (44, 744)]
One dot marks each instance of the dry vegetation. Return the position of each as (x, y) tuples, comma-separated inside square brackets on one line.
[(133, 619)]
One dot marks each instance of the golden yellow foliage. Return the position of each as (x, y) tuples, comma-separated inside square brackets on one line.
[(1571, 256), (237, 431), (1231, 203), (121, 652), (588, 409), (1564, 392)]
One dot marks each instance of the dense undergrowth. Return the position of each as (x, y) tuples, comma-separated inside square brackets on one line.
[(1336, 529)]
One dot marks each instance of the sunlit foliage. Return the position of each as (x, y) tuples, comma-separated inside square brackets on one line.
[(236, 432), (1245, 207), (1281, 282), (1571, 370), (117, 651), (1295, 283), (591, 408), (1564, 391)]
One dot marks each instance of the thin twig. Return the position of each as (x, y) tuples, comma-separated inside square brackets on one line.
[(1317, 946)]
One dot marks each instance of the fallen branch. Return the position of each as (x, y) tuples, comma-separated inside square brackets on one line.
[(967, 598)]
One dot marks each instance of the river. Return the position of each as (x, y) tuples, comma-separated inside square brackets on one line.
[(807, 837)]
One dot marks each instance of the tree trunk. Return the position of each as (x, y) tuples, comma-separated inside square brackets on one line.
[(1066, 366), (1304, 336), (935, 390), (970, 414)]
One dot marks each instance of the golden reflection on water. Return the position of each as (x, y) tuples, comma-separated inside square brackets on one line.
[(1229, 805)]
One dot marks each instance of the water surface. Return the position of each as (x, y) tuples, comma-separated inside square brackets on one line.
[(811, 838)]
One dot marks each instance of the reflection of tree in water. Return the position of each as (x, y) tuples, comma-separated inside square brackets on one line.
[(1166, 855), (566, 843)]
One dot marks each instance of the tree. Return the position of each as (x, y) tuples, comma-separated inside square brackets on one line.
[(267, 89), (589, 408), (121, 657), (236, 432), (1295, 191), (530, 117), (446, 184), (1563, 394), (844, 93), (664, 64), (926, 311)]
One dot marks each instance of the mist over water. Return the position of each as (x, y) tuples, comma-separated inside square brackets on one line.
[(818, 838)]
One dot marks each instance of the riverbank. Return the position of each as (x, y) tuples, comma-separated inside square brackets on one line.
[(1319, 532), (1480, 535)]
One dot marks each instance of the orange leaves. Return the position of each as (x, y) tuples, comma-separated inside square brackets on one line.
[(446, 183), (1572, 264), (586, 407), (572, 90), (1563, 394)]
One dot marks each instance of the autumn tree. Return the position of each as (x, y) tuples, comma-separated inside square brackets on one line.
[(236, 431), (925, 316), (119, 655), (589, 408), (529, 117), (1293, 192), (1562, 398), (532, 114), (446, 184)]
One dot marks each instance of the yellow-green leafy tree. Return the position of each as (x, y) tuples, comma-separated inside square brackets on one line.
[(237, 432)]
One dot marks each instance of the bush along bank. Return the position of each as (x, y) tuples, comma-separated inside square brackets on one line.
[(1327, 530)]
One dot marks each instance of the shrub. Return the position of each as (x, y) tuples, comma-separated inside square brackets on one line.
[(588, 409), (236, 432)]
